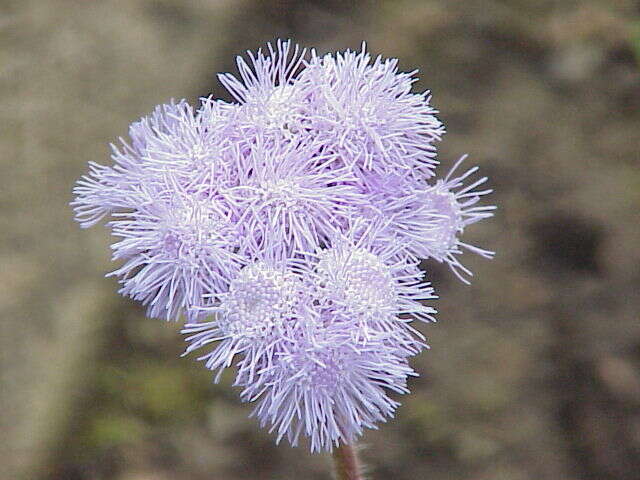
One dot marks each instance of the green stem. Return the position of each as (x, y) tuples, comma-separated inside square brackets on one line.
[(346, 463)]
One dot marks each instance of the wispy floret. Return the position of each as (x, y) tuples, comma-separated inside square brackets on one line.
[(452, 206), (261, 309), (429, 218), (328, 387), (365, 111), (267, 90), (166, 190), (292, 196), (179, 254), (172, 148), (175, 143), (373, 283), (103, 191)]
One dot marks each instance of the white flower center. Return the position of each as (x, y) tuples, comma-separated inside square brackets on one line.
[(260, 301), (357, 279)]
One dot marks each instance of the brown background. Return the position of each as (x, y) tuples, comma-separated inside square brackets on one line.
[(534, 369)]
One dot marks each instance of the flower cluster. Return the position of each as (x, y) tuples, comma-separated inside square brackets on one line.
[(287, 228)]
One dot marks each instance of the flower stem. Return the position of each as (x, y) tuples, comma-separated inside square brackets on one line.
[(346, 463)]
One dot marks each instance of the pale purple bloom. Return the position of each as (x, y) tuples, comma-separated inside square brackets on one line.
[(430, 218), (328, 386), (288, 228), (290, 195), (167, 193), (317, 328), (270, 98), (266, 74), (365, 111), (453, 207), (172, 147), (264, 305), (376, 285), (179, 253)]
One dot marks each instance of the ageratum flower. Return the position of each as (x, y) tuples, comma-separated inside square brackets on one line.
[(265, 301), (328, 386), (453, 207), (365, 112), (374, 284), (178, 231), (267, 90), (179, 254), (172, 147), (287, 228), (430, 218), (290, 194), (318, 329)]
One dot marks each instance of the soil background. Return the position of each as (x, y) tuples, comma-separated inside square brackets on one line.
[(534, 370)]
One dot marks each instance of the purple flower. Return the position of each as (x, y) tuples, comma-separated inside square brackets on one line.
[(270, 99), (288, 228), (430, 218), (321, 339), (179, 254), (178, 231), (290, 195), (328, 386), (171, 148), (453, 207), (365, 112), (374, 284), (264, 305)]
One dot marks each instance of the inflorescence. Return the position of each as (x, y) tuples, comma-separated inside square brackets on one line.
[(288, 228)]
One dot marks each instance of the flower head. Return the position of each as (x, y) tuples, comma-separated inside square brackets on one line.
[(178, 232), (325, 326), (287, 228), (365, 111), (179, 254), (267, 91), (373, 284), (263, 306), (449, 207), (328, 387), (290, 194)]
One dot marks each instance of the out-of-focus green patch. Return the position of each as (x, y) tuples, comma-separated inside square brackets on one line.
[(428, 419), (635, 39), (111, 379), (110, 429), (474, 445), (162, 392), (488, 395)]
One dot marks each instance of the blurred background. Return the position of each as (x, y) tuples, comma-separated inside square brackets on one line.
[(534, 371)]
